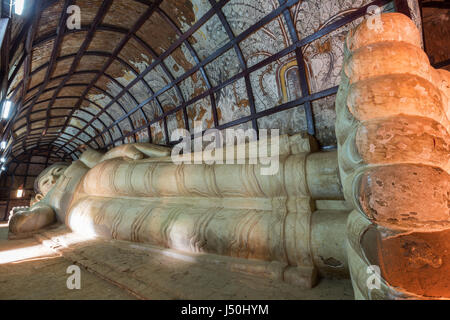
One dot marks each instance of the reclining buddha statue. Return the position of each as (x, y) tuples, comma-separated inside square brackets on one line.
[(135, 192), (379, 206)]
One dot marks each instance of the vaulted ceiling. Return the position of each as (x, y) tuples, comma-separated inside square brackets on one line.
[(135, 70)]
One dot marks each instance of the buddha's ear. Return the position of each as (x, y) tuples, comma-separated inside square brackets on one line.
[(39, 197)]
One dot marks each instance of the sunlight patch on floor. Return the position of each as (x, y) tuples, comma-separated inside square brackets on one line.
[(32, 253)]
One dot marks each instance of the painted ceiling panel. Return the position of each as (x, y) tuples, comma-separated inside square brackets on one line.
[(62, 67), (105, 41), (185, 13), (37, 78), (38, 115), (200, 113), (47, 94), (140, 91), (89, 9), (127, 101), (208, 38), (232, 102), (152, 110), (83, 77), (59, 112), (193, 86), (51, 16), (160, 41), (121, 71), (121, 9), (223, 67), (179, 61), (242, 15), (72, 43), (158, 133), (136, 55), (91, 62), (30, 94), (41, 53), (53, 83), (73, 90)]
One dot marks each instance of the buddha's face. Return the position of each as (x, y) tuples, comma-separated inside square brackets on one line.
[(49, 178)]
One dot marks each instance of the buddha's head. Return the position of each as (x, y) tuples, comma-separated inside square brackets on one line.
[(47, 179)]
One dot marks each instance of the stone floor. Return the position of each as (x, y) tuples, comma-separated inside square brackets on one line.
[(35, 268)]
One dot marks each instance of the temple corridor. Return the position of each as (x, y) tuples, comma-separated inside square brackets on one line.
[(224, 150)]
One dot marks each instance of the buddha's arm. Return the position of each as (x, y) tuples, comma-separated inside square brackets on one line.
[(31, 219), (134, 151)]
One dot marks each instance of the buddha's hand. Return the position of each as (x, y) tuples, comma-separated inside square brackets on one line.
[(31, 219), (17, 209)]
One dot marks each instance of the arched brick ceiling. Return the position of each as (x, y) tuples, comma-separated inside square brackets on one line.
[(138, 69)]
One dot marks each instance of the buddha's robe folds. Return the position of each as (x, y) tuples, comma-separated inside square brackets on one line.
[(225, 209)]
